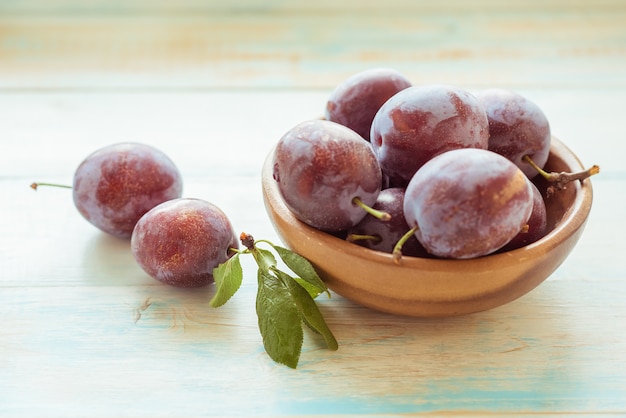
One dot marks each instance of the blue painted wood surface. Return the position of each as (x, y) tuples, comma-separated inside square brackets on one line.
[(86, 333)]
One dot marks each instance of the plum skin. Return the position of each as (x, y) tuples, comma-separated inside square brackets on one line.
[(420, 122), (320, 167), (537, 224), (391, 201), (517, 127), (181, 241), (355, 101), (467, 203), (116, 185)]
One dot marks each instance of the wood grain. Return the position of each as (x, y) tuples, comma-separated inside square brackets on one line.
[(287, 44), (215, 84)]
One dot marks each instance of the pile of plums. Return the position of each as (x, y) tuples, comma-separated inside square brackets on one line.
[(429, 170), (133, 190)]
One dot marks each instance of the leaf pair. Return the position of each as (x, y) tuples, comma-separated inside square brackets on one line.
[(283, 302)]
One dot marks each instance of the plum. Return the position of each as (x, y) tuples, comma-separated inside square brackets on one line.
[(518, 128), (420, 122), (467, 203), (355, 101), (116, 185), (326, 174), (536, 226), (181, 241)]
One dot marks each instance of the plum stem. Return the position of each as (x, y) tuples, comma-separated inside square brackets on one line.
[(237, 250), (362, 237), (397, 249), (560, 180), (34, 186), (383, 216)]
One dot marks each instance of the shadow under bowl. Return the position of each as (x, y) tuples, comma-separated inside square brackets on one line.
[(429, 287)]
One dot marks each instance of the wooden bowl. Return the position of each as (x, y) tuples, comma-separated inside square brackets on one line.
[(427, 287)]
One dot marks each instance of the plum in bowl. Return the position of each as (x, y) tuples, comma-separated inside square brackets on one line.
[(430, 287)]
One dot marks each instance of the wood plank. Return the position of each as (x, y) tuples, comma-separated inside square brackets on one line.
[(86, 330), (214, 85), (561, 47), (77, 7), (207, 124), (149, 350)]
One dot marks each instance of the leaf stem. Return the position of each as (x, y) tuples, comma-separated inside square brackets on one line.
[(264, 241), (284, 303)]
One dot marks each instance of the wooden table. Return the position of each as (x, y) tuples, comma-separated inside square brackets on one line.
[(215, 84)]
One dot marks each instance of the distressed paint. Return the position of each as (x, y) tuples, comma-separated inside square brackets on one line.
[(86, 333), (63, 43)]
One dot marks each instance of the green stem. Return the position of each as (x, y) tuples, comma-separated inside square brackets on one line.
[(238, 251), (383, 216), (362, 237), (397, 249), (271, 244)]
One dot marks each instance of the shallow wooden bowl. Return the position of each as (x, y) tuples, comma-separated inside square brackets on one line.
[(436, 287)]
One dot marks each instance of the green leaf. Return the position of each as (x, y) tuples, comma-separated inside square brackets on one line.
[(309, 310), (303, 268), (264, 259), (228, 277), (309, 326), (313, 290), (279, 320)]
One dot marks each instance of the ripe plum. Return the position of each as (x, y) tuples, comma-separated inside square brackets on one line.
[(421, 122), (322, 169), (536, 226), (517, 128), (355, 101), (181, 241), (114, 186), (467, 203), (377, 235)]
